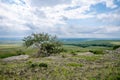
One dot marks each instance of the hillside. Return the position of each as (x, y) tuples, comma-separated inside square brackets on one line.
[(74, 63), (63, 67)]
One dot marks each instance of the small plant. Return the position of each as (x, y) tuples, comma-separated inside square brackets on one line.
[(43, 65), (63, 55), (33, 65), (116, 46), (96, 51), (20, 52), (73, 53)]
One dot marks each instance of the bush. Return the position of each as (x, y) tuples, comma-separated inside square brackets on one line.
[(20, 52), (73, 53), (33, 65), (45, 43), (64, 56), (116, 46), (43, 65), (96, 52)]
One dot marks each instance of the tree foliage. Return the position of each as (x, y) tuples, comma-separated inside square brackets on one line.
[(46, 43)]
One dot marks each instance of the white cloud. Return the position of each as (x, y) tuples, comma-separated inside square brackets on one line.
[(110, 16), (45, 3), (108, 29), (110, 3), (51, 15)]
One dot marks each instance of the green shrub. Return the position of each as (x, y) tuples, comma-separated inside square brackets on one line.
[(116, 46), (47, 44), (20, 52), (33, 65), (74, 54), (96, 51), (63, 56), (43, 65)]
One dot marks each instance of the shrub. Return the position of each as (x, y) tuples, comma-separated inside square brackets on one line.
[(43, 65), (116, 46), (63, 56), (73, 53), (33, 65), (96, 51), (45, 43), (20, 52)]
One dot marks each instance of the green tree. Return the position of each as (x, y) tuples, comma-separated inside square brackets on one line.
[(45, 43)]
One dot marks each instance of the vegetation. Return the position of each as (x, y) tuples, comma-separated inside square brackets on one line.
[(68, 65), (46, 43), (96, 51), (74, 65), (116, 46), (95, 67)]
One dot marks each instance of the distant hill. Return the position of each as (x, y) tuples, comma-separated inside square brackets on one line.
[(10, 40), (64, 40)]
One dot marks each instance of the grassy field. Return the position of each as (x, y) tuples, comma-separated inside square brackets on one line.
[(68, 65), (7, 50), (11, 49)]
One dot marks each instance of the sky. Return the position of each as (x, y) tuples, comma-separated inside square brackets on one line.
[(63, 18)]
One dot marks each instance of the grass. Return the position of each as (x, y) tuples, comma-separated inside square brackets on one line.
[(74, 65), (13, 50), (89, 58), (96, 67), (76, 49), (7, 50)]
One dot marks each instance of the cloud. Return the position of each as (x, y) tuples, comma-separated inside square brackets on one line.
[(108, 29), (110, 16), (27, 16), (45, 3)]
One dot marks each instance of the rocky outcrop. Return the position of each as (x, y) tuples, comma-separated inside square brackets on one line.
[(117, 50), (113, 51), (13, 58)]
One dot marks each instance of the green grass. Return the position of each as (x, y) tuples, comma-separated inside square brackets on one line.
[(74, 65), (7, 50), (89, 58), (76, 49), (69, 68)]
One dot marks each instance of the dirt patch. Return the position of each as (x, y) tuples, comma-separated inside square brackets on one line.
[(20, 57)]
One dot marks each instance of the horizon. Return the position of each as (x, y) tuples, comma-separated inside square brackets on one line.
[(63, 18)]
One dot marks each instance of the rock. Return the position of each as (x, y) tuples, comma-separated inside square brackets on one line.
[(20, 57), (117, 50), (86, 54)]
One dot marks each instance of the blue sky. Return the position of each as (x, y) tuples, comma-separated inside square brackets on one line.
[(64, 18)]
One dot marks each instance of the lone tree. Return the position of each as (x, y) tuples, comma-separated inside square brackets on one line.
[(45, 43)]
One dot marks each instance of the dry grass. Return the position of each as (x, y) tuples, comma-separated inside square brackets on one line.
[(78, 67)]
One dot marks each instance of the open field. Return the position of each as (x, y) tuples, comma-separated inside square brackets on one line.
[(74, 63), (7, 50), (13, 49)]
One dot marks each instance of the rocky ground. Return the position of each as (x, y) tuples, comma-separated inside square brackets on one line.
[(83, 66)]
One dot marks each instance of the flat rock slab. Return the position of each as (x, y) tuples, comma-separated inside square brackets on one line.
[(13, 58), (86, 54)]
